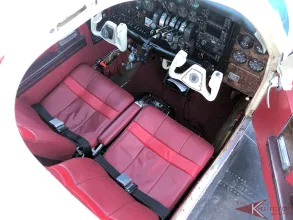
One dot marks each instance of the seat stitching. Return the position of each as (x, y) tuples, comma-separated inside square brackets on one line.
[(166, 146), (134, 158), (73, 93), (88, 81), (184, 143), (110, 94), (84, 121), (159, 178), (116, 142), (55, 116), (99, 114), (126, 204), (154, 135)]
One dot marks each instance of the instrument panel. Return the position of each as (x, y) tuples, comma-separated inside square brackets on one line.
[(211, 40), (247, 64), (180, 25)]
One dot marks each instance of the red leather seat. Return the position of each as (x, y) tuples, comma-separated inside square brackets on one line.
[(87, 103), (158, 154), (90, 183)]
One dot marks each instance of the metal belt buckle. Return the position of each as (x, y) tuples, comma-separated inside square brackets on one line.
[(58, 125), (126, 182)]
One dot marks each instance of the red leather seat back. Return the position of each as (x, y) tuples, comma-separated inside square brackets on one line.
[(87, 102)]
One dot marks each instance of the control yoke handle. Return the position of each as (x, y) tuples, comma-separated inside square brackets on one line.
[(110, 32), (195, 77)]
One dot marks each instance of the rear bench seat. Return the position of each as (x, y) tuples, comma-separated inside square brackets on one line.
[(86, 101), (158, 154)]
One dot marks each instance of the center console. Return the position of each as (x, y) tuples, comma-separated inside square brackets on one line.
[(179, 25)]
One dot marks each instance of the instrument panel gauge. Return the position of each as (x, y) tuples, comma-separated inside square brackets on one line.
[(258, 49), (149, 5), (193, 3), (192, 16), (256, 65), (245, 42), (182, 12), (172, 7), (239, 56)]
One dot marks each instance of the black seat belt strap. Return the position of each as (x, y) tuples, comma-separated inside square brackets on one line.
[(59, 127), (132, 189)]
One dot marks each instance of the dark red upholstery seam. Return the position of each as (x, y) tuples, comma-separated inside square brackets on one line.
[(127, 203), (158, 179), (92, 95), (79, 126), (74, 94), (134, 158), (55, 116), (184, 144), (166, 146)]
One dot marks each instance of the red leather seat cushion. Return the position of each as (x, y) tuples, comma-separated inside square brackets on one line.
[(161, 156), (39, 137), (87, 102), (89, 182)]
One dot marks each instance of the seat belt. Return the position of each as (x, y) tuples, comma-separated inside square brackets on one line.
[(82, 145), (131, 188)]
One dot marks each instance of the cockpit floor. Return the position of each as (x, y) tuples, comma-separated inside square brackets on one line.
[(192, 111)]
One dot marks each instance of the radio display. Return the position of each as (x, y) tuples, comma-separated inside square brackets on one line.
[(214, 31), (220, 20)]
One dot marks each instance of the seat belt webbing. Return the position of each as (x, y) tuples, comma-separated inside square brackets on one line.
[(140, 196), (60, 128)]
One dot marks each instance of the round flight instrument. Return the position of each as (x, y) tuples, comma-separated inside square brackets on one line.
[(245, 42), (258, 49), (182, 12), (149, 5), (192, 16), (172, 7), (256, 65), (192, 3), (239, 56)]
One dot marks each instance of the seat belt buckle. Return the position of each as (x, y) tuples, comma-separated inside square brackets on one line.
[(126, 182), (58, 125)]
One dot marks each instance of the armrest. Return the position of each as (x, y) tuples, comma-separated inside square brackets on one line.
[(119, 124)]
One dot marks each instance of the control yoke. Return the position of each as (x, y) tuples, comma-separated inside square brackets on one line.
[(195, 77), (110, 32)]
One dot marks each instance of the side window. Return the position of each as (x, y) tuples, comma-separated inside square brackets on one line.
[(51, 59)]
